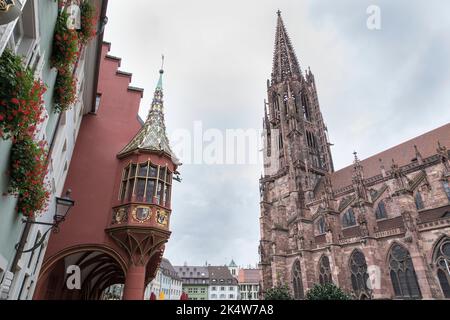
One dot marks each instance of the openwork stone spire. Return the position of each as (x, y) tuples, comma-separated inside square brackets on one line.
[(152, 136), (285, 63)]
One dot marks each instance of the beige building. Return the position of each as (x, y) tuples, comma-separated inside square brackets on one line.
[(249, 284), (379, 228)]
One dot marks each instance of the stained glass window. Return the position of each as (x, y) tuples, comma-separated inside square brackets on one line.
[(359, 275), (321, 225), (348, 219), (324, 270), (144, 183), (297, 281), (447, 189), (380, 213), (419, 201), (442, 260), (403, 275)]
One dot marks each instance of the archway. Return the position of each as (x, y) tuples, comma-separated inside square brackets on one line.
[(80, 274)]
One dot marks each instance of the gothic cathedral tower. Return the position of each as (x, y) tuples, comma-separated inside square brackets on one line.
[(296, 158)]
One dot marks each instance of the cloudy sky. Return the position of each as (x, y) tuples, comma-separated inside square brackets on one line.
[(376, 88)]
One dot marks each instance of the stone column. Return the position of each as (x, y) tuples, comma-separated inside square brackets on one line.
[(134, 283)]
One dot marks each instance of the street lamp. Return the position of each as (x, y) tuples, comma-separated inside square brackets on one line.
[(9, 11), (63, 206)]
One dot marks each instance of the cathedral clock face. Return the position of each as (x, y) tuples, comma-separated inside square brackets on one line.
[(141, 214), (161, 217)]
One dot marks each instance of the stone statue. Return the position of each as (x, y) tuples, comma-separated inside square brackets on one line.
[(362, 221)]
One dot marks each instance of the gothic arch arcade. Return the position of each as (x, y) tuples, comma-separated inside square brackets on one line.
[(99, 268)]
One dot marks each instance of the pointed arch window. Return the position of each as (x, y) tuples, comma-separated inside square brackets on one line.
[(297, 281), (442, 262), (276, 105), (280, 141), (419, 201), (324, 270), (402, 273), (321, 225), (380, 213), (359, 275), (306, 108), (348, 218), (447, 189), (147, 182)]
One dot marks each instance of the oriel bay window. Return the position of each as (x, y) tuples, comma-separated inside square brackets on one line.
[(147, 182)]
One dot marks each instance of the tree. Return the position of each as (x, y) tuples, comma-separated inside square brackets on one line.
[(327, 291), (280, 292)]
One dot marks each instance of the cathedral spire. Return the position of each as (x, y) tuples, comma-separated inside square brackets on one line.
[(285, 63), (152, 136)]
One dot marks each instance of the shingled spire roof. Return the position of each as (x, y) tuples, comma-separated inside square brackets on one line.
[(285, 63), (152, 136)]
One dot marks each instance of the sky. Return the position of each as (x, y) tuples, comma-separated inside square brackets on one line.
[(376, 88)]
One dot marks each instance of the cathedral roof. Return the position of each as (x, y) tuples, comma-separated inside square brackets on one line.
[(285, 61), (403, 154), (152, 136)]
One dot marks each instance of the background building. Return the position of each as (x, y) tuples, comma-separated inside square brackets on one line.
[(249, 284), (195, 281), (31, 37), (233, 268), (223, 285), (387, 216), (166, 281)]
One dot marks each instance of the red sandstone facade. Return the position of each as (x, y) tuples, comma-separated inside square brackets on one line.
[(117, 230), (378, 229)]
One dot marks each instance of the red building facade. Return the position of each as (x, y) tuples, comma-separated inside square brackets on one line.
[(121, 178)]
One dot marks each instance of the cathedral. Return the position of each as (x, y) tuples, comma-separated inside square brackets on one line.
[(378, 229)]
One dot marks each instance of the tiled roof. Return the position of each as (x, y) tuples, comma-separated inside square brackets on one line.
[(168, 270), (193, 272), (249, 276), (221, 275), (434, 214), (402, 154)]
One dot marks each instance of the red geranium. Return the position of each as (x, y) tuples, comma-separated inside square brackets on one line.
[(28, 168), (66, 44), (88, 21), (21, 97)]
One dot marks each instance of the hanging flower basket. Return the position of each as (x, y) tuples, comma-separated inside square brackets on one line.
[(21, 98), (88, 21), (66, 44), (28, 168), (64, 95)]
